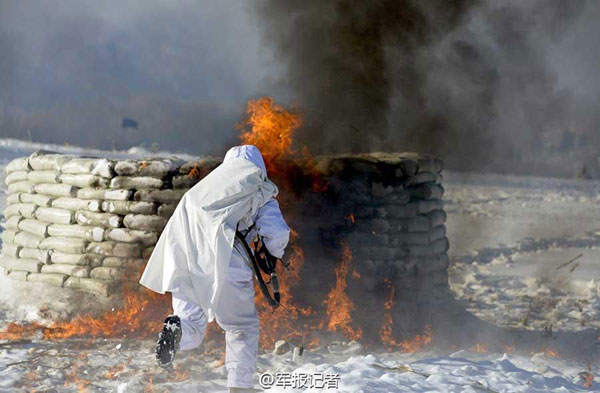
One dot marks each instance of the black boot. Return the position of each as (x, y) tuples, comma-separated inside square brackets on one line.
[(168, 341)]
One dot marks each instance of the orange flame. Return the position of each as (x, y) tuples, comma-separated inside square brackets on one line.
[(479, 348), (339, 305), (417, 344), (270, 127)]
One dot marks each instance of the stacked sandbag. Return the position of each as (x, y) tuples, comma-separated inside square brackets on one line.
[(88, 223), (393, 225)]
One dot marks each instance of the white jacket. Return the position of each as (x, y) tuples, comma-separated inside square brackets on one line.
[(193, 253)]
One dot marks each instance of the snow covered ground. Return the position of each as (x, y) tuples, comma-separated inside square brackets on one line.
[(511, 240)]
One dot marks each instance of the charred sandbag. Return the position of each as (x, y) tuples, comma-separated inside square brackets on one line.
[(76, 259), (185, 181), (37, 199), (27, 240), (69, 270), (21, 264), (157, 168), (426, 191), (39, 177), (116, 249), (129, 264), (166, 210), (144, 222), (160, 196), (107, 273), (20, 164), (56, 190), (27, 210), (42, 160), (12, 222), (419, 238), (90, 233), (199, 168), (129, 207), (64, 244), (147, 253), (84, 217), (99, 287), (420, 178), (21, 186), (13, 198), (436, 217), (136, 182), (35, 253), (435, 248), (93, 166), (15, 177), (84, 181), (18, 275), (34, 227), (126, 235), (53, 215), (67, 203)]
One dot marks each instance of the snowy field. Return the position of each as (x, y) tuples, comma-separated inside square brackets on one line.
[(525, 257)]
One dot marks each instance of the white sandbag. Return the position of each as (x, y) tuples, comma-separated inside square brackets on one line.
[(26, 239), (166, 210), (47, 161), (84, 181), (20, 164), (129, 264), (18, 275), (91, 233), (53, 215), (27, 210), (159, 196), (145, 222), (127, 207), (21, 264), (57, 190), (64, 244), (118, 195), (40, 177), (35, 253), (136, 182), (84, 217), (76, 259), (116, 249), (14, 177), (94, 166), (34, 227), (131, 236), (11, 250), (158, 168), (67, 203), (91, 193), (8, 236), (13, 198), (57, 280), (21, 186), (12, 222), (107, 273), (69, 270), (99, 287), (37, 199)]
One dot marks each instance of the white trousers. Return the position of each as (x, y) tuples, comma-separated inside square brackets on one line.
[(235, 313)]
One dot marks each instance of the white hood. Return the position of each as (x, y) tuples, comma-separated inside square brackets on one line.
[(193, 252)]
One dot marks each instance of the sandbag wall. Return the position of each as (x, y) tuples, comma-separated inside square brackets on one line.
[(387, 210), (88, 223)]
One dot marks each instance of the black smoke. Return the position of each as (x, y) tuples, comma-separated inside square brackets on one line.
[(486, 85)]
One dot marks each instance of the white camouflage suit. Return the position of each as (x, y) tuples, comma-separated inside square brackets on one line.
[(231, 297)]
